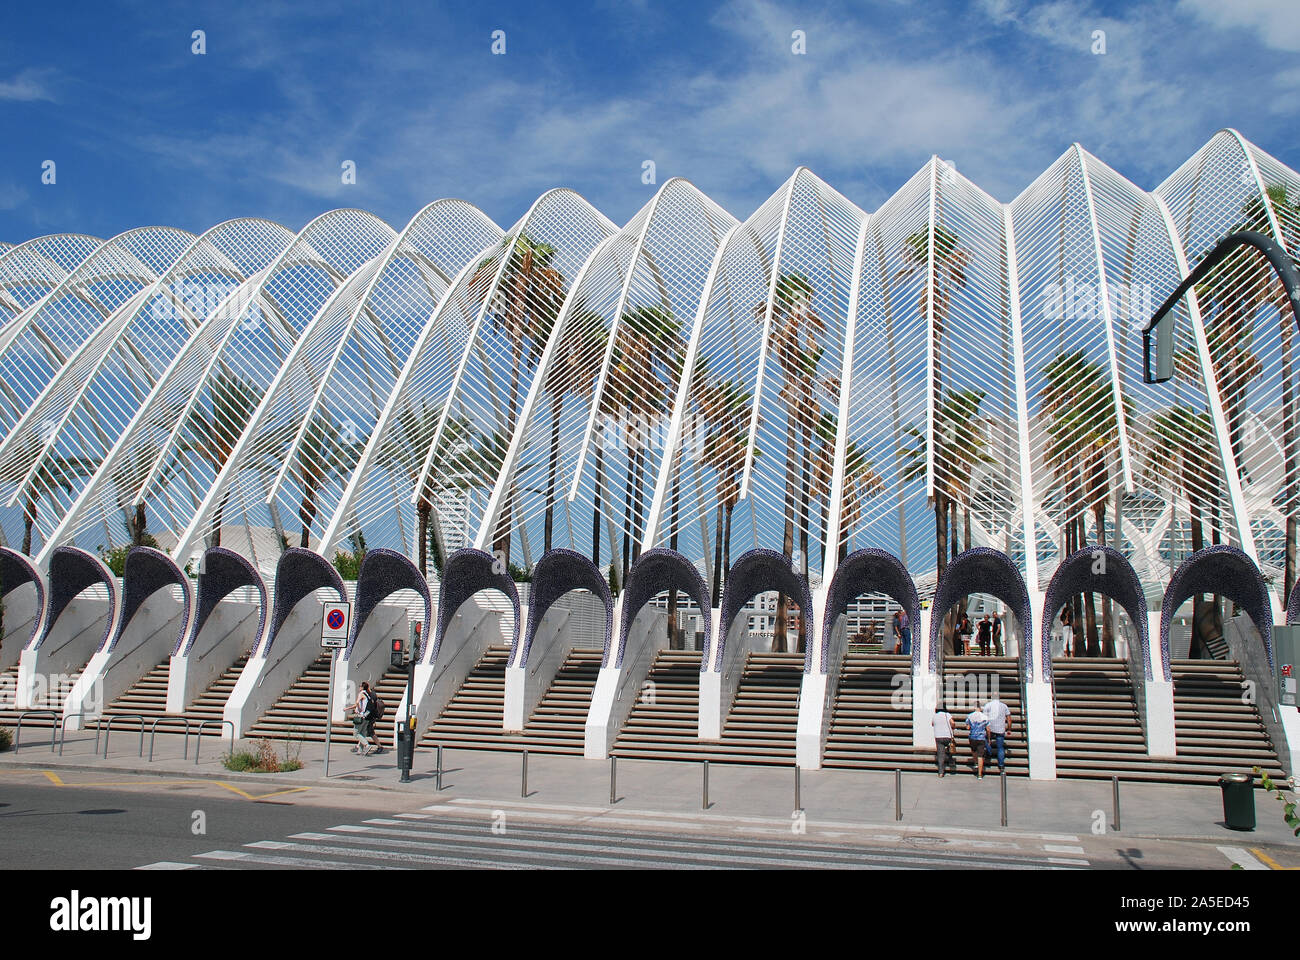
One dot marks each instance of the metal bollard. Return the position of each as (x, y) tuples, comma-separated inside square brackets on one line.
[(898, 794), (797, 804), (438, 784), (706, 785), (523, 786), (613, 780), (1114, 782), (1004, 798)]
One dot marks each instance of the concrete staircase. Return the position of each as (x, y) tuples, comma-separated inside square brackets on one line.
[(472, 720), (300, 713), (1218, 731), (868, 730), (53, 700), (1098, 732), (968, 682), (760, 727)]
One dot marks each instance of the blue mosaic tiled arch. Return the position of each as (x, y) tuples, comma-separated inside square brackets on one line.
[(1117, 580), (298, 573), (147, 571), (758, 571), (557, 573), (1230, 573), (655, 571), (989, 571), (383, 573), (221, 574), (72, 571), (17, 570), (865, 571), (464, 574)]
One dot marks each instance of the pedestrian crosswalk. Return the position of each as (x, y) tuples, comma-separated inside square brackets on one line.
[(485, 837)]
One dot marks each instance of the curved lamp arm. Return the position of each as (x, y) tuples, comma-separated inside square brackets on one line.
[(1283, 266)]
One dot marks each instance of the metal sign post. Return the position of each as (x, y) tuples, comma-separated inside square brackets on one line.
[(329, 711), (336, 620)]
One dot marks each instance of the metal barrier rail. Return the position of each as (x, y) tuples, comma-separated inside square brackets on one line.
[(18, 732), (108, 730), (198, 736), (63, 733), (153, 730)]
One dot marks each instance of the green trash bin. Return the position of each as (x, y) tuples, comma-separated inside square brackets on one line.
[(1238, 800)]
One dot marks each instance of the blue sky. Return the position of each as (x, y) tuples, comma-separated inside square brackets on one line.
[(145, 132)]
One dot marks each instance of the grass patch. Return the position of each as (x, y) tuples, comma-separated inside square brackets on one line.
[(263, 759), (6, 739)]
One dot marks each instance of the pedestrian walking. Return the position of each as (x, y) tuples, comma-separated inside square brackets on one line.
[(985, 636), (999, 717), (361, 723), (977, 731), (902, 633), (942, 738)]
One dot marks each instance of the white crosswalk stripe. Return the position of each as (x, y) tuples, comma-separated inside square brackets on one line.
[(494, 839)]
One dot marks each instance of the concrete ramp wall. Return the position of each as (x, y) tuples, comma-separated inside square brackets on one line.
[(155, 611), (292, 641), (221, 629), (73, 626)]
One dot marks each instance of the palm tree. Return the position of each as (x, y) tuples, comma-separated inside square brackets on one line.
[(524, 308), (723, 407), (1083, 438), (860, 482), (215, 429), (323, 451), (570, 374), (795, 338), (1184, 458), (647, 361), (950, 263), (960, 446)]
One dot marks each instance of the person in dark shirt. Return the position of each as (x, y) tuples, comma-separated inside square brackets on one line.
[(985, 635)]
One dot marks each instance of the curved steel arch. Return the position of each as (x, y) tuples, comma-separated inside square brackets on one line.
[(1117, 579)]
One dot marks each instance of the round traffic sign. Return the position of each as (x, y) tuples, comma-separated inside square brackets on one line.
[(335, 620)]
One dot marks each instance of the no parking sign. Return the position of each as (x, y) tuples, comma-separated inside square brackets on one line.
[(335, 624)]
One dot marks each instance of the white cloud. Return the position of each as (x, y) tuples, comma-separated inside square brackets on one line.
[(30, 84), (1275, 23)]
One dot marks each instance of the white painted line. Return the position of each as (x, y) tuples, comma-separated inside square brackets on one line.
[(603, 813), (1061, 848), (1068, 862), (168, 865), (1243, 858)]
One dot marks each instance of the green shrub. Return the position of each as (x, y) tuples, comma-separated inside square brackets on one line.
[(263, 759), (239, 762), (6, 739)]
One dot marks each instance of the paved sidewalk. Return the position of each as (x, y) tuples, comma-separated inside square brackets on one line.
[(1068, 807)]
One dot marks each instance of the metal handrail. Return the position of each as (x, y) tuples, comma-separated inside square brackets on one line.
[(63, 733), (198, 736), (108, 730), (18, 732), (153, 729)]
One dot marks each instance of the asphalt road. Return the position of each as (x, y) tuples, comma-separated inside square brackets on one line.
[(84, 821)]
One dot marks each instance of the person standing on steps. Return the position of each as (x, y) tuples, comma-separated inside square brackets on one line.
[(998, 714), (997, 634), (902, 633), (985, 635), (942, 737), (1067, 632), (977, 727)]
